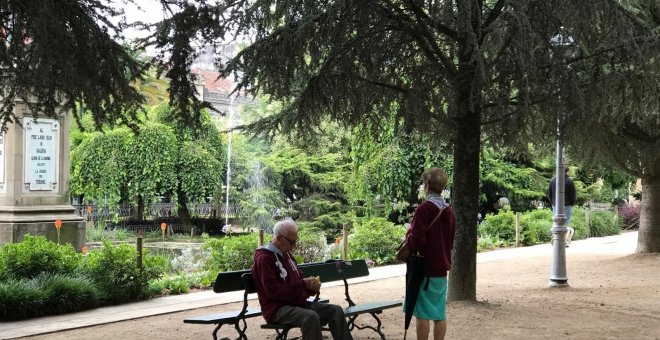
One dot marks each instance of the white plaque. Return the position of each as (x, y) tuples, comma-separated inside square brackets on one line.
[(3, 182), (41, 156)]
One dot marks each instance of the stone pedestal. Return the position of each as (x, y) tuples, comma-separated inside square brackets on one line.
[(34, 171)]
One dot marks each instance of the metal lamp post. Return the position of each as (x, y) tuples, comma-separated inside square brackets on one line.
[(227, 227), (558, 277)]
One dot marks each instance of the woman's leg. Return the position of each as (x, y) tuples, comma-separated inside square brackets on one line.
[(423, 329), (439, 329)]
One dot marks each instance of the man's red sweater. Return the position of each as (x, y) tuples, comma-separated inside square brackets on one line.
[(279, 282)]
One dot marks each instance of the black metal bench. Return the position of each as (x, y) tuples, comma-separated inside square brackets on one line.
[(336, 271), (230, 282)]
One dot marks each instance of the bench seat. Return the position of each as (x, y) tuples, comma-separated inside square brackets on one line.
[(370, 307), (228, 317)]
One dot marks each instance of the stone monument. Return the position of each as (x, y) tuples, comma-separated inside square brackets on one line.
[(34, 171)]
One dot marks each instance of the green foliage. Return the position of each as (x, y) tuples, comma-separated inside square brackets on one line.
[(487, 242), (114, 270), (68, 293), (150, 162), (180, 283), (99, 233), (20, 298), (579, 224), (500, 225), (230, 252), (324, 214), (387, 167), (121, 165), (36, 255), (520, 182), (375, 239), (603, 223), (297, 173), (536, 226), (98, 167), (199, 172), (46, 294), (311, 245), (60, 54)]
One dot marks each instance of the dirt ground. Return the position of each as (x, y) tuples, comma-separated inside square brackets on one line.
[(610, 297)]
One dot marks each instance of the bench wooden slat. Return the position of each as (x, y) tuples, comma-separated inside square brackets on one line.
[(228, 317), (231, 317), (336, 270), (371, 307), (229, 281)]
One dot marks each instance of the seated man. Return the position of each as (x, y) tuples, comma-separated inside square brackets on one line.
[(283, 291)]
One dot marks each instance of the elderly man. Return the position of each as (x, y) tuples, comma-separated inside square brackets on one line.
[(283, 291)]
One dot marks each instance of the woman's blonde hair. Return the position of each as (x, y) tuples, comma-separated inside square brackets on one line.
[(436, 179)]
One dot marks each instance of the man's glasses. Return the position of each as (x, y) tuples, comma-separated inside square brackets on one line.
[(293, 242)]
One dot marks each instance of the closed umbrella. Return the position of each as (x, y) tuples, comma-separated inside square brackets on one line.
[(415, 273)]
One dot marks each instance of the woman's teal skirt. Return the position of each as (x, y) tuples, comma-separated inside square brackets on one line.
[(432, 302)]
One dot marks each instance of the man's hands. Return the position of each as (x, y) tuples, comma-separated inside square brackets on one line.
[(313, 283)]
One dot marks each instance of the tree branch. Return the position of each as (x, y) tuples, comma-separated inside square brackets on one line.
[(493, 15)]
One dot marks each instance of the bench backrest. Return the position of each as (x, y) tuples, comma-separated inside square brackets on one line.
[(336, 270), (327, 271), (229, 281)]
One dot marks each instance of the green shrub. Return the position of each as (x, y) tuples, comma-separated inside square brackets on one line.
[(536, 227), (67, 293), (502, 225), (579, 224), (311, 245), (99, 232), (36, 255), (487, 242), (46, 294), (603, 223), (181, 283), (20, 299), (230, 252), (375, 239), (114, 269)]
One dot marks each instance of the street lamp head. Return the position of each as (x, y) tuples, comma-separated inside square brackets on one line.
[(563, 43), (562, 39)]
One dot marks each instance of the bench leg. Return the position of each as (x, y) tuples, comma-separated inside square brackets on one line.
[(215, 331), (241, 330), (352, 325), (282, 334)]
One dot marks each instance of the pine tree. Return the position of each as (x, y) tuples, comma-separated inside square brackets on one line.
[(454, 70), (65, 52)]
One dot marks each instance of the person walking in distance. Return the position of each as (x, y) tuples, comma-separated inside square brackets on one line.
[(569, 201)]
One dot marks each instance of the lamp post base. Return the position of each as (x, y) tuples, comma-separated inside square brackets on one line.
[(558, 284)]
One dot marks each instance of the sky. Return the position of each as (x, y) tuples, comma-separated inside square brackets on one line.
[(147, 11)]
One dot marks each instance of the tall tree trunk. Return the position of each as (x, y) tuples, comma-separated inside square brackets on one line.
[(468, 85), (465, 191), (184, 213), (648, 239), (138, 212)]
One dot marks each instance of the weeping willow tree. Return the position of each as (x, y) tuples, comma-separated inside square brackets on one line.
[(454, 70)]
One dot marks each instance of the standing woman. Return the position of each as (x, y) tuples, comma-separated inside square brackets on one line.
[(432, 234)]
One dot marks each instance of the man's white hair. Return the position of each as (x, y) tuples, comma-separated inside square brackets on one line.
[(282, 226)]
